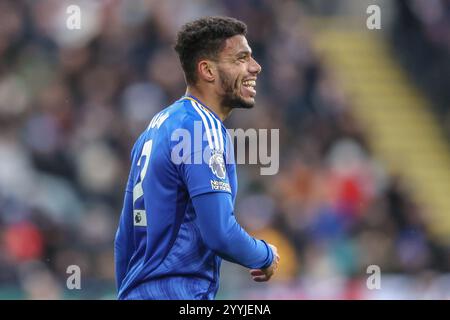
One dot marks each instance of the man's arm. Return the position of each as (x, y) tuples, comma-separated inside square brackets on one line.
[(223, 234), (123, 244)]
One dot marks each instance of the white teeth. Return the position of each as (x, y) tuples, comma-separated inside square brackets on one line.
[(249, 83)]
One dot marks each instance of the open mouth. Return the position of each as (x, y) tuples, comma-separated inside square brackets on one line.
[(250, 86)]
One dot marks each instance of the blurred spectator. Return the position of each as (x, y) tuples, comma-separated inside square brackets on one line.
[(421, 39)]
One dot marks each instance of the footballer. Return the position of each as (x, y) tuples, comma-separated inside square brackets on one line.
[(177, 221)]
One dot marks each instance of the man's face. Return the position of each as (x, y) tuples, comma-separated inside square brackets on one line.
[(237, 72)]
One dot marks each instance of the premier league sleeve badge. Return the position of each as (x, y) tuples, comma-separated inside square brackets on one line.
[(217, 164)]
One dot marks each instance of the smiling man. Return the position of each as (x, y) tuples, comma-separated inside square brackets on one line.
[(178, 221)]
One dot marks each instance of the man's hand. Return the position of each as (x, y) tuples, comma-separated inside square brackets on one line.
[(261, 275)]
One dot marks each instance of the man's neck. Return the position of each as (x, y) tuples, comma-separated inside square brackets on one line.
[(209, 101)]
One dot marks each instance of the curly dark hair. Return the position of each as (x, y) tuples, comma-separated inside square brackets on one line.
[(204, 39)]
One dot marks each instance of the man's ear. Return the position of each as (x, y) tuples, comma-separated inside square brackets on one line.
[(206, 70)]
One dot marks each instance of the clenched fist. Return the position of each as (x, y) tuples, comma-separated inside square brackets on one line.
[(261, 275)]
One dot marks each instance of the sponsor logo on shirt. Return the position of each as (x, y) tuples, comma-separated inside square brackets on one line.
[(139, 218), (220, 185)]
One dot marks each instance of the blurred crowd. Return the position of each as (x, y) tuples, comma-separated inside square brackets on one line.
[(72, 102), (421, 39)]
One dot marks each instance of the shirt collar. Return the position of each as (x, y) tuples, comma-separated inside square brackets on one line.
[(189, 96)]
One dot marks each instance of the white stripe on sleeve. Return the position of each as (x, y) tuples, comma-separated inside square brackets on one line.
[(205, 123)]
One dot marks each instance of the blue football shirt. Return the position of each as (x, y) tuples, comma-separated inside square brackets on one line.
[(177, 221)]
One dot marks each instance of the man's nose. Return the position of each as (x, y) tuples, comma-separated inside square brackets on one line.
[(254, 66)]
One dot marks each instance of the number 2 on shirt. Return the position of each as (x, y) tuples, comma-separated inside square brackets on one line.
[(139, 215)]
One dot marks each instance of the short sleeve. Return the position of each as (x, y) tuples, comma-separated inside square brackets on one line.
[(198, 150), (208, 175)]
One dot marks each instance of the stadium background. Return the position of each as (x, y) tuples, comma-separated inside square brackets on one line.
[(364, 130)]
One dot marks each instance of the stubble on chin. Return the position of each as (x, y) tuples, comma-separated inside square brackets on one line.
[(231, 98)]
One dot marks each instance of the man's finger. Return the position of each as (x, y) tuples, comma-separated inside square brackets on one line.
[(260, 278), (256, 272)]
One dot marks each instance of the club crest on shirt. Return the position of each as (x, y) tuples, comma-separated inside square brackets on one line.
[(217, 164)]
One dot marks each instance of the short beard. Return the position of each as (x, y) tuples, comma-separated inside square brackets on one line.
[(230, 99)]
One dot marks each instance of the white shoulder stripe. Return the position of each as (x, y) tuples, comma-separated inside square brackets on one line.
[(219, 129), (205, 123), (213, 127)]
